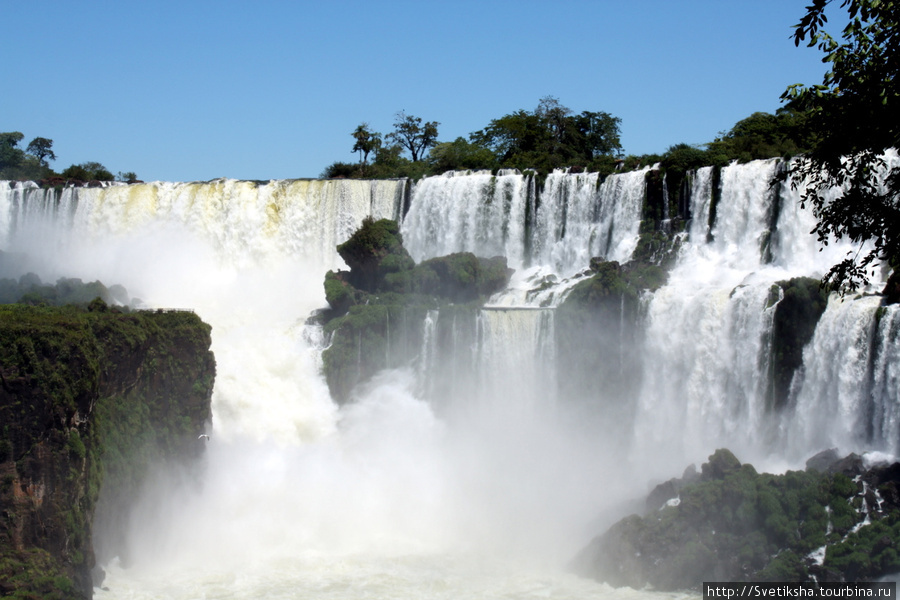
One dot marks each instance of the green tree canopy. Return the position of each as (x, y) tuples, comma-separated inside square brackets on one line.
[(88, 171), (762, 135), (366, 141), (549, 137), (10, 154), (40, 148), (853, 119), (413, 135), (460, 155), (16, 163)]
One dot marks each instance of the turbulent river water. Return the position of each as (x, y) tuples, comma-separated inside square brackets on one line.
[(490, 492)]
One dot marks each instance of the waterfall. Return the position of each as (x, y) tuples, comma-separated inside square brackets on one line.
[(708, 336), (516, 358), (846, 393), (701, 201), (248, 256), (886, 381), (577, 217), (706, 348), (468, 212), (484, 437)]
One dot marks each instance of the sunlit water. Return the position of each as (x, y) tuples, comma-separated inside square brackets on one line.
[(384, 498), (489, 494)]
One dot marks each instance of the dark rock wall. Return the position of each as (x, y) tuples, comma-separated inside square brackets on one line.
[(89, 399)]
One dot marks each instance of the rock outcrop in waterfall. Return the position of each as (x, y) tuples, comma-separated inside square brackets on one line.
[(384, 283)]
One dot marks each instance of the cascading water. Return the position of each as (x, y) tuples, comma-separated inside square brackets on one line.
[(708, 336), (468, 212), (300, 497), (580, 217), (577, 217), (470, 453)]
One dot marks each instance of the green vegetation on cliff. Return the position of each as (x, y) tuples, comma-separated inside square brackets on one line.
[(598, 333), (29, 289), (89, 399), (31, 163), (378, 307), (552, 136), (731, 523)]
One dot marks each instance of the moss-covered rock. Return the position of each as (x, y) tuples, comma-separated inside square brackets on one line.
[(369, 338), (598, 333), (376, 320), (373, 251), (88, 400), (460, 277), (734, 524)]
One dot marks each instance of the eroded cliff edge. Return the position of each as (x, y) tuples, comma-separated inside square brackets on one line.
[(836, 521), (90, 399)]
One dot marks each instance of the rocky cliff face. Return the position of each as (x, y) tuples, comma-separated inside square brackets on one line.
[(89, 399), (385, 297), (839, 520)]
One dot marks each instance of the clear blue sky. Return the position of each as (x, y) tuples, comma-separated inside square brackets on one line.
[(193, 90)]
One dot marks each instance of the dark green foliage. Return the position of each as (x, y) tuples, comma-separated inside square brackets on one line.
[(31, 574), (90, 398), (459, 277), (681, 158), (796, 316), (88, 171), (40, 148), (10, 153), (377, 307), (735, 524), (366, 142), (339, 294), (460, 155), (550, 137), (761, 135), (852, 120), (870, 550), (654, 254), (341, 170), (127, 177), (31, 164), (413, 135), (30, 290), (16, 163), (379, 263), (369, 338), (374, 243)]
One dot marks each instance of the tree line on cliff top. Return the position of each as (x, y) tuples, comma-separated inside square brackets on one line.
[(553, 136), (32, 163), (846, 128)]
